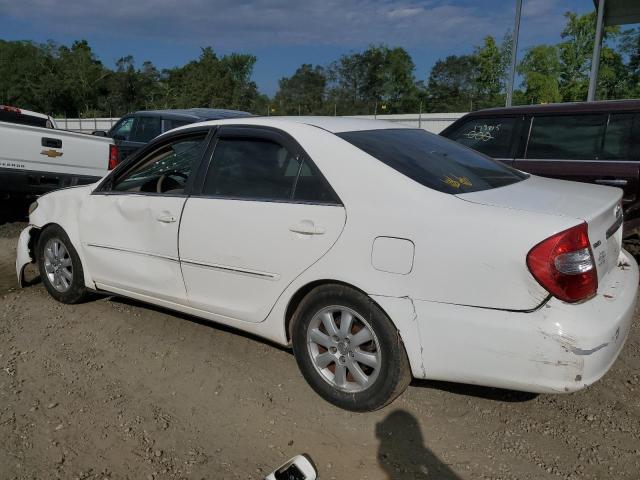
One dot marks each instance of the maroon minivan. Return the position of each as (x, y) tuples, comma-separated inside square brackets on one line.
[(596, 142)]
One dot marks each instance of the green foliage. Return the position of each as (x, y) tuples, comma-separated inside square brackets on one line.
[(540, 69), (380, 79), (70, 80), (303, 92)]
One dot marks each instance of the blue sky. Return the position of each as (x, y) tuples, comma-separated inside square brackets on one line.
[(282, 33)]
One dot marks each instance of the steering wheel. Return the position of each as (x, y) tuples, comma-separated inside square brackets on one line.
[(163, 179)]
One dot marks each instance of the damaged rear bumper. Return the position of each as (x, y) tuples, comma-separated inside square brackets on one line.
[(559, 347)]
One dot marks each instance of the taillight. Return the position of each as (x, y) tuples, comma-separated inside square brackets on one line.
[(113, 156), (563, 264)]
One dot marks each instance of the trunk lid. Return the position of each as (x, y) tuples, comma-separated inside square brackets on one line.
[(597, 205)]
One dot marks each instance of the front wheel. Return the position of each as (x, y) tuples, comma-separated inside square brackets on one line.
[(60, 268), (348, 350)]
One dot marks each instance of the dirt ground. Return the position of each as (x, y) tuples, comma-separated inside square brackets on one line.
[(115, 389)]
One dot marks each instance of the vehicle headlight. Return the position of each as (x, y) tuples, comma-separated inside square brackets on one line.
[(32, 207)]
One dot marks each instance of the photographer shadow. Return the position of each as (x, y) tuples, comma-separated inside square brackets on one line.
[(402, 454)]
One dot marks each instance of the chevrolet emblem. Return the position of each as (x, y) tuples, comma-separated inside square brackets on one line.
[(51, 153)]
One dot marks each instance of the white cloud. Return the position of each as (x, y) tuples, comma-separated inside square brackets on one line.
[(251, 23)]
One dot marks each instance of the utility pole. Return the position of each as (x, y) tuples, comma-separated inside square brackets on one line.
[(595, 61), (514, 53)]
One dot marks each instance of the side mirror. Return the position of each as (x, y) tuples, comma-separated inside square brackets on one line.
[(99, 133), (299, 467)]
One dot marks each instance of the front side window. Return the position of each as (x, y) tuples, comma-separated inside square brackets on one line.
[(566, 137), (491, 136), (165, 170), (146, 129), (433, 161), (122, 130), (262, 169)]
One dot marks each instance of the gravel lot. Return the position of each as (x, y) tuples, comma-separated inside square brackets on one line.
[(115, 389)]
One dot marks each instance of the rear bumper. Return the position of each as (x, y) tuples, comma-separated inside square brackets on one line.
[(559, 347)]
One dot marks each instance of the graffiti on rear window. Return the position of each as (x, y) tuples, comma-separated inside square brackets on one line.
[(483, 133)]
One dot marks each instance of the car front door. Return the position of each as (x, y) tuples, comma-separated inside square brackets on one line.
[(593, 148), (129, 225), (263, 215)]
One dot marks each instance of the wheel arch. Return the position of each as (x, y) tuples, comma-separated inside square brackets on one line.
[(304, 290)]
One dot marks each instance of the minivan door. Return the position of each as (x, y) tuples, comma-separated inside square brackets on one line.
[(593, 148)]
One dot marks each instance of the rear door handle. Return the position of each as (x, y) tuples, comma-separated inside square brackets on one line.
[(166, 218), (306, 227), (614, 182)]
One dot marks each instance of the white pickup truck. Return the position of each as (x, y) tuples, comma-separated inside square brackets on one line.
[(36, 158)]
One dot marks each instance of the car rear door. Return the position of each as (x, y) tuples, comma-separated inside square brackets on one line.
[(495, 136), (263, 215), (593, 148)]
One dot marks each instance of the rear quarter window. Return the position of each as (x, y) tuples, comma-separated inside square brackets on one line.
[(434, 161)]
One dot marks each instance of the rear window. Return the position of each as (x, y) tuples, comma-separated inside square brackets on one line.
[(14, 117), (433, 161)]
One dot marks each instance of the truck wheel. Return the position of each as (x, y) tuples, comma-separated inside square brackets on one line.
[(348, 350), (60, 267)]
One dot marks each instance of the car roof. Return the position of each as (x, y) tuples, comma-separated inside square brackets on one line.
[(330, 124), (194, 114), (568, 107)]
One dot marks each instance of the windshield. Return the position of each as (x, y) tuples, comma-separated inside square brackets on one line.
[(434, 161)]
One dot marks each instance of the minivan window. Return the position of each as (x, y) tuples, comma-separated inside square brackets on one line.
[(617, 138), (491, 136), (566, 137), (145, 129), (433, 161)]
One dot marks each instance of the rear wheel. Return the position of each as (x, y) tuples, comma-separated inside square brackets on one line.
[(348, 349), (60, 268)]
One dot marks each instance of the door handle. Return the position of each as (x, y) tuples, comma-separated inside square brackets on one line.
[(166, 218), (306, 227), (614, 182)]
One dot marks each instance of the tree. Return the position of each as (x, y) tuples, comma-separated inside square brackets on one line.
[(213, 82), (540, 68), (451, 86), (303, 92), (575, 58), (380, 76), (490, 72)]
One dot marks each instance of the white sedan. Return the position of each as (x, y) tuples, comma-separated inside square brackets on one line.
[(377, 251)]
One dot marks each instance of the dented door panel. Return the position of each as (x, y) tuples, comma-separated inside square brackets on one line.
[(130, 242)]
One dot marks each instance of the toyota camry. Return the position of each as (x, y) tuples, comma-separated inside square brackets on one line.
[(378, 252)]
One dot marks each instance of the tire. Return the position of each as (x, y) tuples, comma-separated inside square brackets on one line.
[(60, 267), (361, 367)]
